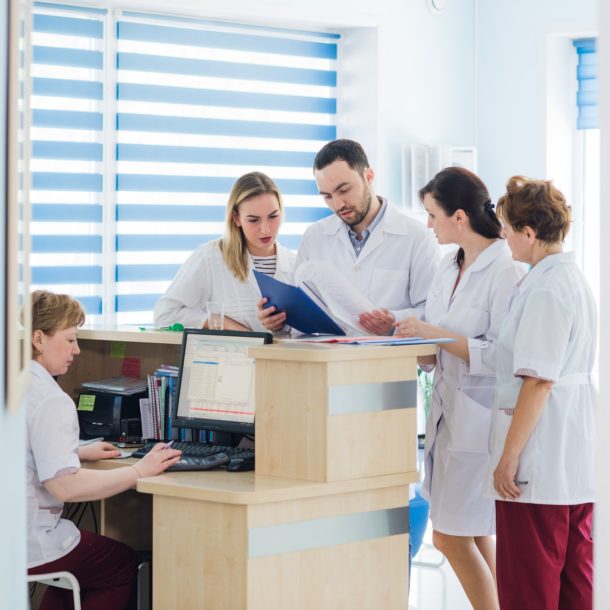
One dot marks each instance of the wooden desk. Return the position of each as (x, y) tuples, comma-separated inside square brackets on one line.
[(233, 541), (323, 525)]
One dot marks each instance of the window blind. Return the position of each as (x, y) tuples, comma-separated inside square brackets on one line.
[(587, 74), (198, 105), (67, 152)]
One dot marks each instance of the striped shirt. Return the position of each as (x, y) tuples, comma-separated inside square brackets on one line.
[(265, 264)]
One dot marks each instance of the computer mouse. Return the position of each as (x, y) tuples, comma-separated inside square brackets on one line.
[(239, 464)]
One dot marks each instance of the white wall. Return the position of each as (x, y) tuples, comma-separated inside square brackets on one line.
[(602, 516), (515, 40)]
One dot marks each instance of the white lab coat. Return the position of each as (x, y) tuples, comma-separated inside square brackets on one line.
[(205, 277), (457, 429), (394, 268), (51, 447), (550, 333)]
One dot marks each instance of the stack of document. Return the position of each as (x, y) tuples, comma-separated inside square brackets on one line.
[(372, 340), (118, 385)]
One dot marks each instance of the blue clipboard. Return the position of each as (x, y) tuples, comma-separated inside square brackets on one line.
[(302, 312)]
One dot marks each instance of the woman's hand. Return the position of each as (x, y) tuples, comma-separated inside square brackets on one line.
[(269, 317), (157, 460), (410, 327), (504, 477), (97, 451), (378, 322)]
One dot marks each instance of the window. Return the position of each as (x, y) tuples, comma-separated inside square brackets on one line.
[(141, 124), (588, 163)]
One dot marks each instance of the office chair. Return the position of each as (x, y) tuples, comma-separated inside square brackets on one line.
[(64, 580)]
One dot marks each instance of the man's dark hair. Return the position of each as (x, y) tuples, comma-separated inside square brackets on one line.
[(342, 150)]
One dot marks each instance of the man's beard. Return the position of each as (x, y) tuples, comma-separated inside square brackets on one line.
[(366, 206)]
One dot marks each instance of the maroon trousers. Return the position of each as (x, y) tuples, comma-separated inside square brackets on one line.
[(544, 556), (105, 570)]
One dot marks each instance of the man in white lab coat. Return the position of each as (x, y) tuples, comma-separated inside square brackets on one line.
[(386, 256)]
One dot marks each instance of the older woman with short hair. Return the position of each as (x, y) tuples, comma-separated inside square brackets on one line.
[(541, 472), (104, 568)]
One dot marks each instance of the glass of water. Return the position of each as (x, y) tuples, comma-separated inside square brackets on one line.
[(216, 315)]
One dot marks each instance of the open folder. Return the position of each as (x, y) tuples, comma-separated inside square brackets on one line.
[(302, 312)]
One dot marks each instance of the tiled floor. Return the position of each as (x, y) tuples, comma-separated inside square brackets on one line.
[(435, 588)]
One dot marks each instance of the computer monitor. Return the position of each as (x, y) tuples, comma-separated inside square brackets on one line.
[(216, 380)]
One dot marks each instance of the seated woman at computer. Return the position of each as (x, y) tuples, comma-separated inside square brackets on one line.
[(105, 569), (468, 301), (221, 270)]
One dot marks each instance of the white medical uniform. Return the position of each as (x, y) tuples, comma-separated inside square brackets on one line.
[(393, 270), (52, 447), (457, 429), (550, 333), (205, 277)]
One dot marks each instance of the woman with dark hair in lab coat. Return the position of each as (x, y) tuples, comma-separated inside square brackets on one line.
[(467, 301)]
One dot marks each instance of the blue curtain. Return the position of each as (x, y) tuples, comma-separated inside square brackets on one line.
[(586, 74)]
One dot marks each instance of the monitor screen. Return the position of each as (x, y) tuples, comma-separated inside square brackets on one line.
[(216, 380)]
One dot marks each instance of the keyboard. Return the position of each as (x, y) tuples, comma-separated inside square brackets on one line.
[(197, 462), (200, 451)]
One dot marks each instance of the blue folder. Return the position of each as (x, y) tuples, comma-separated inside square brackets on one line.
[(302, 312)]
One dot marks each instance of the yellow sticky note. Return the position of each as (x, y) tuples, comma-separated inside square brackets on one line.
[(117, 349), (86, 402)]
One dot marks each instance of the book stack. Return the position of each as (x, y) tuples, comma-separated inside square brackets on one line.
[(157, 409)]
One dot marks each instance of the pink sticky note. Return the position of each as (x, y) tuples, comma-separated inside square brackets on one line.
[(131, 367)]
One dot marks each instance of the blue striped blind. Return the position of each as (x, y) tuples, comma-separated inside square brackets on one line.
[(67, 153), (587, 96), (197, 104)]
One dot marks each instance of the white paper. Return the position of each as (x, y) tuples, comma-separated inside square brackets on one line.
[(338, 297)]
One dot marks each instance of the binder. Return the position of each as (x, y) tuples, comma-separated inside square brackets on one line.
[(302, 312)]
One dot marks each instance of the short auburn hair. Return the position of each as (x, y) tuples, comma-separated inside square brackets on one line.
[(537, 204), (52, 312)]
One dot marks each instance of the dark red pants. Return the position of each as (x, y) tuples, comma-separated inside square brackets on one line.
[(105, 570), (544, 556)]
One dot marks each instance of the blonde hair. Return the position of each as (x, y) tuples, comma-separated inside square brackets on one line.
[(52, 312), (537, 204), (233, 245)]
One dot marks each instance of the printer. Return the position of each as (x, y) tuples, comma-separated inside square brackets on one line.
[(113, 415)]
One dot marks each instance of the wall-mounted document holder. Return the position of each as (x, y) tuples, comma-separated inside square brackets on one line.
[(420, 163), (302, 312)]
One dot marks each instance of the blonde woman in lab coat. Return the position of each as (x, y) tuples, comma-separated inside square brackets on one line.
[(467, 301), (221, 270)]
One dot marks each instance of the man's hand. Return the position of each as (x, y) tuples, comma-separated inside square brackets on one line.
[(98, 451), (269, 317), (378, 321)]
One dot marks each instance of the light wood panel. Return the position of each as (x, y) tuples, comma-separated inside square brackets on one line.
[(298, 437), (291, 414), (368, 575), (371, 444), (261, 515), (372, 371), (199, 555)]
